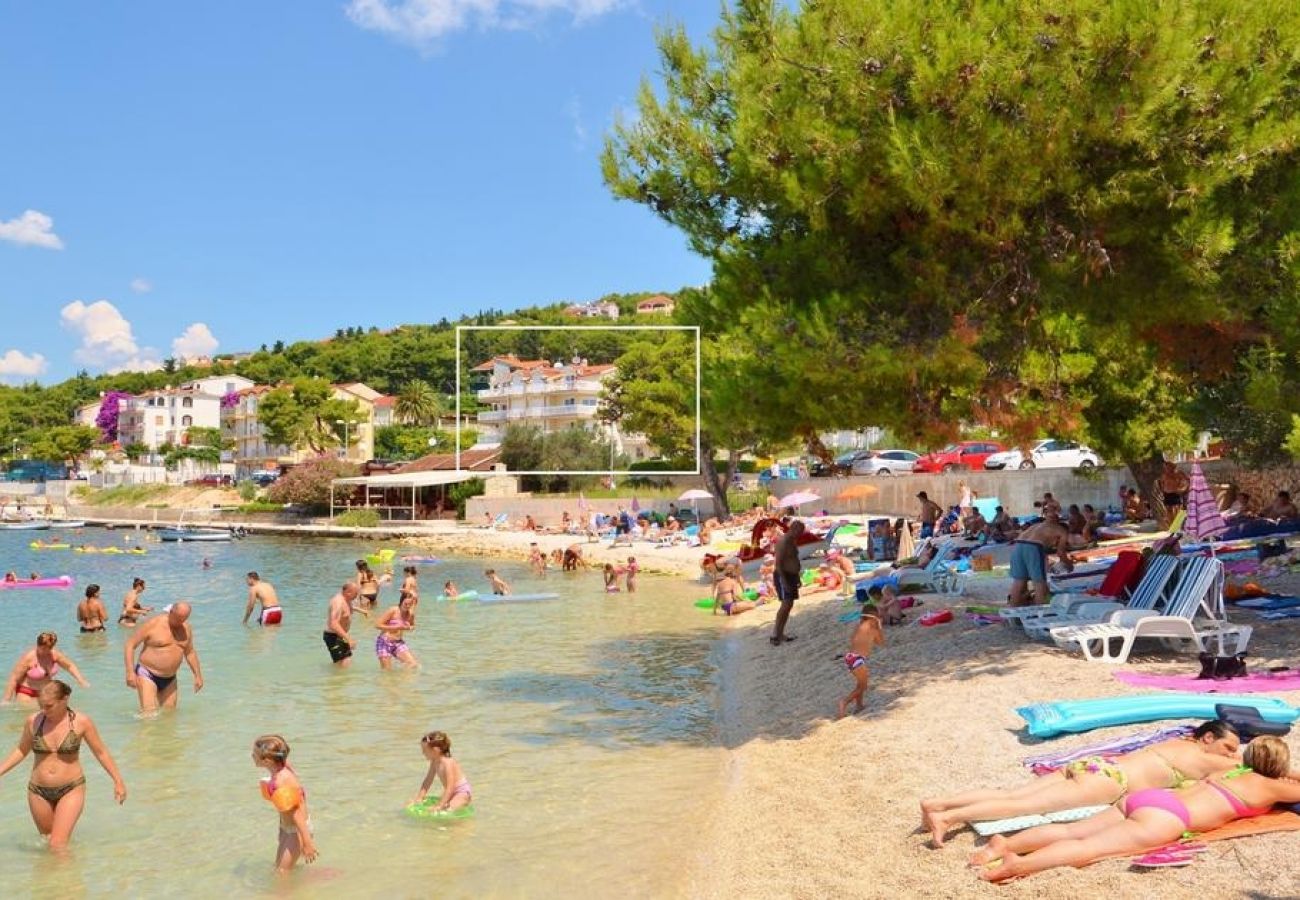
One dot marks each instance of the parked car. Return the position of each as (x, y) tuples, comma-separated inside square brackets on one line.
[(840, 465), (957, 456), (1046, 454), (211, 481), (885, 462), (262, 479)]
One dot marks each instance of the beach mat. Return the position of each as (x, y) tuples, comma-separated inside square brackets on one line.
[(1020, 823), (1251, 684), (1044, 763), (1268, 603)]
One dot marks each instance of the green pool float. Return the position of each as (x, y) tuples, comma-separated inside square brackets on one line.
[(428, 809)]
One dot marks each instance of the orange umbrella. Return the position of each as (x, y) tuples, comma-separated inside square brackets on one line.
[(859, 492)]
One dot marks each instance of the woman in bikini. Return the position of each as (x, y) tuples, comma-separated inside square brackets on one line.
[(393, 625), (57, 790), (282, 789), (729, 593), (90, 612), (456, 791), (131, 608), (367, 584), (1210, 749), (1150, 818), (36, 668)]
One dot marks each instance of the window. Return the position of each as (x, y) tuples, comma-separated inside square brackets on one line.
[(158, 420), (187, 402), (187, 420)]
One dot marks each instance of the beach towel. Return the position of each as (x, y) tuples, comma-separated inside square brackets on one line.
[(1044, 763), (1020, 823), (1271, 602), (1251, 684), (1268, 823), (1280, 614)]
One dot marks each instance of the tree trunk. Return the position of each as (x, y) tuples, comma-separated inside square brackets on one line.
[(712, 482), (1146, 478)]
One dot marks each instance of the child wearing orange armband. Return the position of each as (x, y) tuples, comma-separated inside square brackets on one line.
[(283, 790)]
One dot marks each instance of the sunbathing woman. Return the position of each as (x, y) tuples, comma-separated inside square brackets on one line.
[(1150, 818), (1092, 781), (57, 789)]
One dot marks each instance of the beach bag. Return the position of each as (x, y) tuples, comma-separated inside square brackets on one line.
[(1271, 548), (1220, 668)]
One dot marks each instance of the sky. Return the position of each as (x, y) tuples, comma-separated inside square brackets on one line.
[(178, 179)]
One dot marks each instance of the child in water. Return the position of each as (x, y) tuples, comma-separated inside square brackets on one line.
[(866, 635), (456, 792), (630, 571), (499, 585), (283, 790), (449, 590), (611, 579)]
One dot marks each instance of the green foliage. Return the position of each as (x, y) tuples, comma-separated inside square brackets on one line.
[(307, 414), (653, 392), (358, 518), (62, 442), (308, 484), (259, 506), (459, 493), (418, 404), (247, 490), (125, 495), (204, 445), (411, 441), (1046, 220), (524, 448)]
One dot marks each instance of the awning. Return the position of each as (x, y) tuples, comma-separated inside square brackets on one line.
[(409, 480)]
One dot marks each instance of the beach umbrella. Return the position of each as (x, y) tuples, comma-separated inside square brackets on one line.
[(695, 494), (1204, 521), (799, 498), (859, 492), (636, 507), (906, 545)]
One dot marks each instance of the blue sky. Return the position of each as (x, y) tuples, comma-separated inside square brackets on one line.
[(189, 177)]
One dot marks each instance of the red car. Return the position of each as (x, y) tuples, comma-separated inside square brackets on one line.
[(959, 456)]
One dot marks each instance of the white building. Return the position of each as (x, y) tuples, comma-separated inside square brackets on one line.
[(548, 396), (160, 417), (253, 453), (87, 415), (594, 310)]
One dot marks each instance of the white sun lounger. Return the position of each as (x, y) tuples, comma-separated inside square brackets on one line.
[(1160, 582), (1146, 595), (1193, 615)]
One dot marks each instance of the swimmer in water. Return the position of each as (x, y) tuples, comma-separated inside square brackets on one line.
[(91, 612), (282, 789), (456, 792), (131, 608), (630, 572), (499, 585), (261, 592), (450, 591)]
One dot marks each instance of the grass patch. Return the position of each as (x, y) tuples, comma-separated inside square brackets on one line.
[(125, 495), (260, 506)]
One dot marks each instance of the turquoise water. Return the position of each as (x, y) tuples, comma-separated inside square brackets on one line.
[(587, 726)]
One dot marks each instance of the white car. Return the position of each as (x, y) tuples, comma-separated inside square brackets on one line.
[(885, 462), (1048, 454)]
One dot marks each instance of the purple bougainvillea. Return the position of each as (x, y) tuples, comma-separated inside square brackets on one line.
[(106, 421), (230, 400)]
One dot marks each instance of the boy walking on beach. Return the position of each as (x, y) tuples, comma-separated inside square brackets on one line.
[(866, 635)]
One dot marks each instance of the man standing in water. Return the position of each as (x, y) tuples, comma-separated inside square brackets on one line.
[(167, 640), (1029, 557), (338, 619), (788, 570), (262, 592)]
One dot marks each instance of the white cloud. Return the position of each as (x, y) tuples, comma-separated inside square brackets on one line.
[(16, 365), (141, 285), (106, 338), (197, 340), (573, 112), (31, 229), (422, 22)]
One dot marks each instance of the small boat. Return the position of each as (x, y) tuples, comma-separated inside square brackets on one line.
[(65, 523), (26, 525), (190, 533)]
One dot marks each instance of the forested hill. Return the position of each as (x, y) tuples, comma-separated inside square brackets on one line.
[(385, 360)]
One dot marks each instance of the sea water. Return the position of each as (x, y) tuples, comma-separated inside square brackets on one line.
[(586, 725)]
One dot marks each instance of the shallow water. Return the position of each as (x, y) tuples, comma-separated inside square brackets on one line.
[(587, 726)]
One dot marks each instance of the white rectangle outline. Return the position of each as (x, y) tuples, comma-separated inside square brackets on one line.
[(625, 472)]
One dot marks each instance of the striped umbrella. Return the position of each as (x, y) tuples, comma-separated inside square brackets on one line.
[(1204, 521)]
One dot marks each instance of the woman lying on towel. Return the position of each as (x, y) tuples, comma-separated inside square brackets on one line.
[(1092, 781), (1149, 818)]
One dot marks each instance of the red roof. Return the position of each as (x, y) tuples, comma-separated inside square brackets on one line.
[(471, 460), (384, 402)]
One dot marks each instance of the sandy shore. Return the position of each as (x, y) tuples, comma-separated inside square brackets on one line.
[(822, 808)]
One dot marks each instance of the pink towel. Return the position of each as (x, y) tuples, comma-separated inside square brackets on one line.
[(1251, 684)]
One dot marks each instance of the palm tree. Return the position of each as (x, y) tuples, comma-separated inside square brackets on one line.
[(418, 403)]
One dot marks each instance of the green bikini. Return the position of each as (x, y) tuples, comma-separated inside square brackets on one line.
[(69, 746)]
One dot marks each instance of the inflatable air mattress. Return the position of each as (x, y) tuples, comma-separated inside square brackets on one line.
[(1073, 716), (63, 581)]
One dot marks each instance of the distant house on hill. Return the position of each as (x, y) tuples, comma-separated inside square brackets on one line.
[(658, 305), (594, 310), (384, 407)]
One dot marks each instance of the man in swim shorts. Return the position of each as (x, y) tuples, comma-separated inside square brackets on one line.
[(338, 619), (1029, 557), (167, 640), (930, 512), (262, 592), (788, 570)]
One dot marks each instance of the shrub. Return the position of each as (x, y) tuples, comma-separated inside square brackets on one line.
[(358, 518), (459, 493), (308, 484), (247, 491), (260, 507)]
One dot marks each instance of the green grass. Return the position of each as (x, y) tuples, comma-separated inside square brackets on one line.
[(124, 494), (358, 518), (259, 507)]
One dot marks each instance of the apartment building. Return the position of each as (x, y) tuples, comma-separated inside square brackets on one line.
[(253, 453), (156, 418), (550, 396)]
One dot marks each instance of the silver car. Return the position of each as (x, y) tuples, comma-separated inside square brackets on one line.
[(886, 462)]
